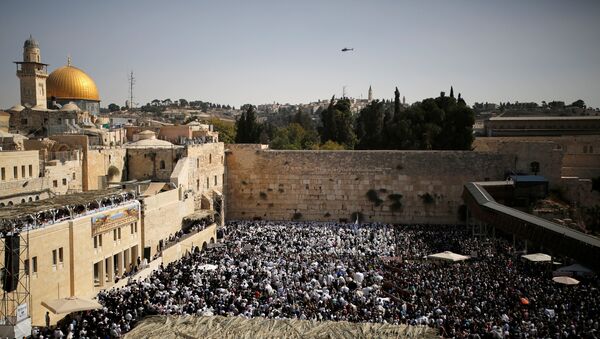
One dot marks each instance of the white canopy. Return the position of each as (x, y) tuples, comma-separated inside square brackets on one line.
[(575, 268), (71, 304), (566, 280), (537, 257), (448, 256)]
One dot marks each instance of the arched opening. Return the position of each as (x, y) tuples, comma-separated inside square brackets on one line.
[(10, 203), (212, 240), (2, 204), (22, 200), (37, 197), (162, 164), (204, 246), (30, 199)]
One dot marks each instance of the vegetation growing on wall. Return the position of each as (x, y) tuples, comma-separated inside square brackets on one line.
[(427, 198), (373, 197), (396, 199), (297, 216)]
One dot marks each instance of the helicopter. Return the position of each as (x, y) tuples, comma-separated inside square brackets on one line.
[(346, 49)]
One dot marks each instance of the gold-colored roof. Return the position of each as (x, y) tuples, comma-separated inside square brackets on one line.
[(69, 82)]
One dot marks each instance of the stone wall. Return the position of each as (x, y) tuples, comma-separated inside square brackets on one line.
[(178, 250), (105, 165), (581, 154), (155, 164), (162, 216), (332, 185)]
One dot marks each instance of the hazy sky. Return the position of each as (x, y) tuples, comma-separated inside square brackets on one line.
[(235, 52)]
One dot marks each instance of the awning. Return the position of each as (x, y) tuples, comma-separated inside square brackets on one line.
[(448, 256), (566, 280), (575, 268), (71, 304), (537, 257)]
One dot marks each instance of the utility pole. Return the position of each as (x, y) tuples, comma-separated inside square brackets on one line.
[(131, 83)]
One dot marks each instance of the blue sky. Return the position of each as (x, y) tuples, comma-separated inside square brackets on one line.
[(235, 52)]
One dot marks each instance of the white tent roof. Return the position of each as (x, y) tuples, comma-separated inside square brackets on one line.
[(448, 256), (566, 280), (537, 257), (575, 268), (71, 304)]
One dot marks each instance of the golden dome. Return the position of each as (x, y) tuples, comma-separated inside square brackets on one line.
[(69, 82)]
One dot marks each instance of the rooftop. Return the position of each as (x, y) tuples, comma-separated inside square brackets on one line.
[(538, 118), (61, 202)]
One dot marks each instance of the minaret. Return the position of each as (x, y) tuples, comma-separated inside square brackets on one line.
[(32, 74), (370, 97)]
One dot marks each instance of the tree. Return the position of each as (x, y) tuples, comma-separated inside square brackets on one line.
[(370, 126), (579, 103), (226, 130), (113, 107), (248, 129), (337, 123), (396, 102), (295, 137), (435, 123), (331, 146), (155, 102), (183, 103), (451, 92)]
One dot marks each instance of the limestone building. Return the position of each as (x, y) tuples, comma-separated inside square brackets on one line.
[(79, 244), (27, 176)]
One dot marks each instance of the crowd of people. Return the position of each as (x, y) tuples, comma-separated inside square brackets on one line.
[(357, 273)]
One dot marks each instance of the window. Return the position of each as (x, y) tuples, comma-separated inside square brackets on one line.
[(34, 264), (26, 266), (30, 170), (23, 171), (215, 180), (115, 235), (60, 255), (197, 162), (55, 183), (162, 164), (585, 149), (197, 184), (131, 228), (135, 227), (54, 257), (100, 240), (210, 158), (207, 183), (64, 181), (73, 176), (222, 159), (16, 172), (3, 173), (119, 232), (95, 242)]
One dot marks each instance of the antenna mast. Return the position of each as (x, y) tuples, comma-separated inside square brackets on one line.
[(131, 83)]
